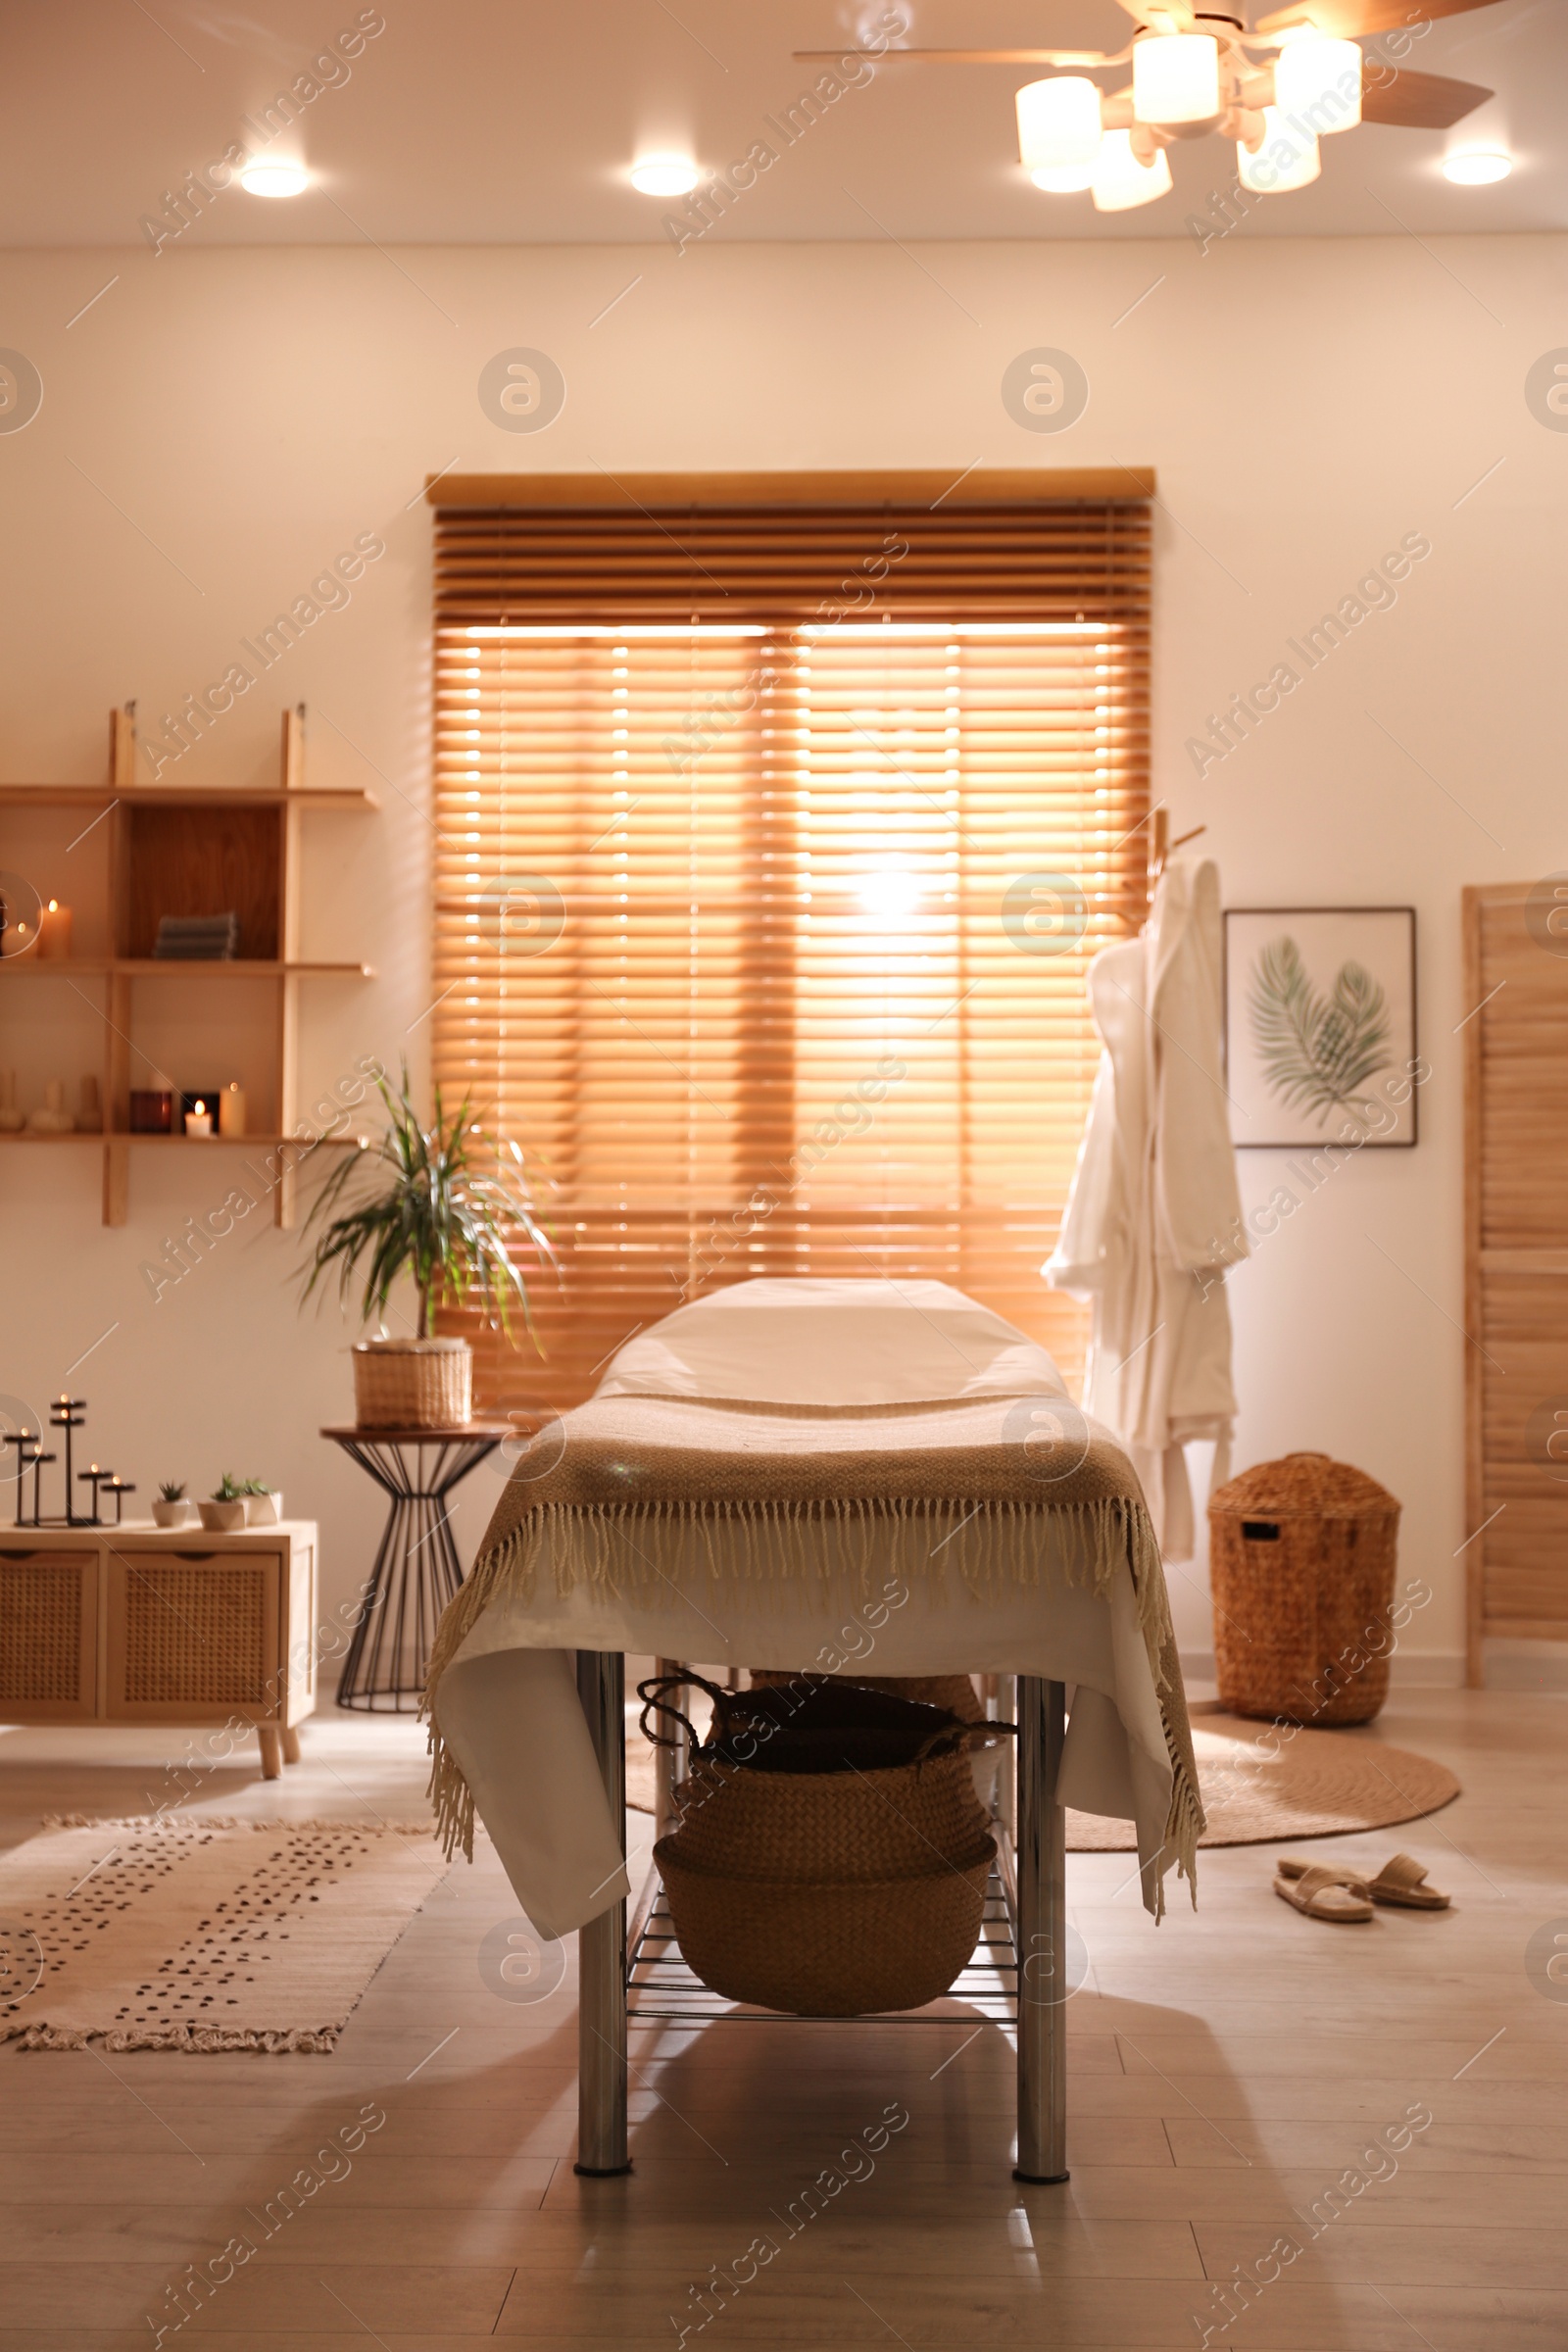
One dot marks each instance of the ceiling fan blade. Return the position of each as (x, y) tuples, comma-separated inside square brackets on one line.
[(1417, 101), (1346, 19), (963, 56)]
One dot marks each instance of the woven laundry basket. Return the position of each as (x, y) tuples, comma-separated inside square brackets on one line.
[(1302, 1556), (412, 1383), (831, 1893)]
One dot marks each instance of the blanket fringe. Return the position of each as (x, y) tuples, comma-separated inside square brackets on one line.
[(612, 1547)]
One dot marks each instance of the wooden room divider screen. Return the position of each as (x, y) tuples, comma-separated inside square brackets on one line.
[(1516, 1261)]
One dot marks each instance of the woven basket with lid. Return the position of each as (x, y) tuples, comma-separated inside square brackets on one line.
[(1302, 1556)]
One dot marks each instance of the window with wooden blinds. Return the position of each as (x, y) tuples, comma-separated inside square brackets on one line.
[(774, 841)]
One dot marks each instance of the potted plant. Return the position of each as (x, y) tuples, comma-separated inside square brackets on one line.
[(224, 1509), (446, 1204), (173, 1507), (263, 1504)]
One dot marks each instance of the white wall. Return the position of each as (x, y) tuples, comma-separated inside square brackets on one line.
[(219, 425)]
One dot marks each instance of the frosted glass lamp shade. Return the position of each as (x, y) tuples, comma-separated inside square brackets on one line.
[(1286, 158), (1058, 124), (1176, 78), (1121, 181), (1319, 81)]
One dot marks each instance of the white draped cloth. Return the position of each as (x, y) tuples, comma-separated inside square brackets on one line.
[(1154, 1217), (506, 1706)]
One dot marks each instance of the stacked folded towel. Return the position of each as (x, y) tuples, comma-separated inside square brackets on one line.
[(197, 938)]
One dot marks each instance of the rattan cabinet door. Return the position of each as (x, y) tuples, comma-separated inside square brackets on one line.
[(48, 1635), (193, 1635)]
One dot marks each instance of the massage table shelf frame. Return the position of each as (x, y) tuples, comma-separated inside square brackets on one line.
[(1035, 1894)]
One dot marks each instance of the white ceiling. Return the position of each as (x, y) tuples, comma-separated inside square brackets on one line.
[(506, 122)]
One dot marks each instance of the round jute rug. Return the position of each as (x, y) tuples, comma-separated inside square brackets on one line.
[(1263, 1781)]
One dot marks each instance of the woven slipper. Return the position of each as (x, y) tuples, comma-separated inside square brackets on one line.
[(1322, 1893), (1402, 1882)]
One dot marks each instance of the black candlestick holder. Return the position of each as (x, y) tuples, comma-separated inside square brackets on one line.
[(67, 1415)]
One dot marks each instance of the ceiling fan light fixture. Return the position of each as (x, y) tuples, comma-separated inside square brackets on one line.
[(1321, 81), (1477, 166), (1121, 181), (1058, 126), (665, 174), (1063, 179), (1286, 158), (1176, 78)]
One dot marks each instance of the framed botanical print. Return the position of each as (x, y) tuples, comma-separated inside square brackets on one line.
[(1320, 1032)]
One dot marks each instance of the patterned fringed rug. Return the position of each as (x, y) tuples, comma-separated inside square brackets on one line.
[(190, 1932)]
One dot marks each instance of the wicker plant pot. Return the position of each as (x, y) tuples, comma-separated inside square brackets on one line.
[(835, 1950), (412, 1383), (1302, 1556)]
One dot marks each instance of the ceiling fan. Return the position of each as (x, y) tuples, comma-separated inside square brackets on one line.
[(1199, 69)]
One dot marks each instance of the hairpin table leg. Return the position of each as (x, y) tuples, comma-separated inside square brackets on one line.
[(602, 1944), (1042, 1935)]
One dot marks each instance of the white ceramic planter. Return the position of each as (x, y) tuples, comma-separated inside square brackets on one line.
[(175, 1514), (263, 1511), (223, 1518)]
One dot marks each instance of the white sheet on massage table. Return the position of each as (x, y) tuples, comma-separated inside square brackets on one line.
[(507, 1703)]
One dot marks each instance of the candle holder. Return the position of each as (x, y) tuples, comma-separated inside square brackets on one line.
[(67, 1415), (118, 1488), (94, 1478)]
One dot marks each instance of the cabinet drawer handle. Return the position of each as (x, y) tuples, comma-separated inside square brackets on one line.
[(197, 1555)]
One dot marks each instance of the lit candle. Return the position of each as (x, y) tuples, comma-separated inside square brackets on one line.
[(200, 1120), (231, 1109), (54, 930)]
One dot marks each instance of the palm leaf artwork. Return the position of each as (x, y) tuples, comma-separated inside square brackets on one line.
[(1318, 1052), (444, 1204)]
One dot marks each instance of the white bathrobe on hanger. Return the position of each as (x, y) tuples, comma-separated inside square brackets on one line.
[(1154, 1216)]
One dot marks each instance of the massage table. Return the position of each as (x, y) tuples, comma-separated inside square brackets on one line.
[(764, 1468)]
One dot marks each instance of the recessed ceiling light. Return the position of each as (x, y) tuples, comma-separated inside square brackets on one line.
[(1477, 168), (665, 174), (274, 179)]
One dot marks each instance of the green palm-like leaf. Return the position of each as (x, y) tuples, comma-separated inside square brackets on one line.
[(445, 1209), (1317, 1052)]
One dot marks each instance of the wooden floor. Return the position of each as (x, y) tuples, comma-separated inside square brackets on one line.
[(1229, 2070)]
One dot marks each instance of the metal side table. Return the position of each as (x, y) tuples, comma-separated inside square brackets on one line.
[(417, 1566), (625, 1977)]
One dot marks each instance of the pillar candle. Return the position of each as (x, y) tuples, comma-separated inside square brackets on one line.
[(199, 1121), (231, 1109), (54, 930)]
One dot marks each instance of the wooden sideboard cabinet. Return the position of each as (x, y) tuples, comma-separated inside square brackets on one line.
[(161, 1626)]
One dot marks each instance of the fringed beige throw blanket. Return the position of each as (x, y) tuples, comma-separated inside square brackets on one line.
[(989, 1502)]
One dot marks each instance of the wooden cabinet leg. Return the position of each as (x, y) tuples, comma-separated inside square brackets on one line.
[(271, 1751), (291, 1743)]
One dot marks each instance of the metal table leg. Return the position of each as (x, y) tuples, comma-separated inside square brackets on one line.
[(602, 1944), (1042, 1935)]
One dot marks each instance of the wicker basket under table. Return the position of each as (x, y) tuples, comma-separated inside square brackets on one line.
[(1302, 1556)]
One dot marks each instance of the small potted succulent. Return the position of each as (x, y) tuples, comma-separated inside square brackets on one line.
[(174, 1507), (224, 1509), (263, 1504), (449, 1205)]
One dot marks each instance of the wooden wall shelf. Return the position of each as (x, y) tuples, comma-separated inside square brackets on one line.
[(157, 968), (176, 796), (158, 850)]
